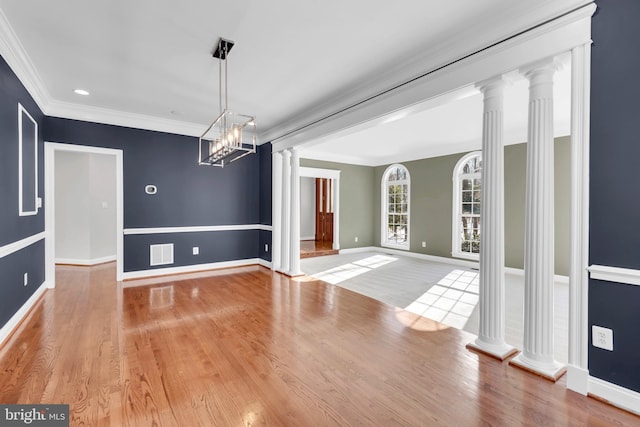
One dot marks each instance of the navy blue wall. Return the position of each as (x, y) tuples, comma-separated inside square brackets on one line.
[(188, 194), (614, 180), (30, 260)]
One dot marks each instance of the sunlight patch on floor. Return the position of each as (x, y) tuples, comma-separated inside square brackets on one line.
[(451, 301), (353, 269)]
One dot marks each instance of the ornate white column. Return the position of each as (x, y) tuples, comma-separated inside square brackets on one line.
[(286, 211), (537, 355), (276, 210), (492, 300), (294, 228)]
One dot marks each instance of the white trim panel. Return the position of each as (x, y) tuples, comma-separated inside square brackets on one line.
[(21, 212), (196, 229), (20, 244), (95, 261), (614, 394), (191, 268), (615, 274), (19, 315)]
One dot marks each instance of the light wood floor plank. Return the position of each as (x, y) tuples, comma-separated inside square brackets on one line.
[(247, 347)]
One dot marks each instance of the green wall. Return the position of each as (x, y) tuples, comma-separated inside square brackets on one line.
[(431, 203), (356, 201)]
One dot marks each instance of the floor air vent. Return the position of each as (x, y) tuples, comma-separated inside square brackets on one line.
[(161, 254)]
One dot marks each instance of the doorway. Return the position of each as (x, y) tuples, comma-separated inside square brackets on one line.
[(319, 189), (104, 162)]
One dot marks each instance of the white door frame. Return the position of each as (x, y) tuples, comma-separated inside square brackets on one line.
[(334, 176), (50, 148)]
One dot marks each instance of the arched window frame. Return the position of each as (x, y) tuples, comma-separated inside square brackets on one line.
[(385, 239), (457, 224)]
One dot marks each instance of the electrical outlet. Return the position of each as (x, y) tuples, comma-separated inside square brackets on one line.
[(356, 239), (266, 247), (196, 250), (424, 244), (602, 337), (25, 279)]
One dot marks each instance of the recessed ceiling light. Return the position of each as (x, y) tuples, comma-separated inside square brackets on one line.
[(81, 92)]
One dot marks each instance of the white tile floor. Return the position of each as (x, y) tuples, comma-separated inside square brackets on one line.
[(439, 291)]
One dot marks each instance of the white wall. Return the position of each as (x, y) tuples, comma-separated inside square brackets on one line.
[(307, 208), (72, 208), (85, 202)]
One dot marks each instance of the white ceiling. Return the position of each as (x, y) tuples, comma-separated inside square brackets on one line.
[(294, 60)]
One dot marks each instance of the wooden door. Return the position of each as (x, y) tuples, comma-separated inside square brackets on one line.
[(324, 210)]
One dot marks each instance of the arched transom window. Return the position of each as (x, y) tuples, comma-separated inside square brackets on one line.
[(467, 192), (395, 207)]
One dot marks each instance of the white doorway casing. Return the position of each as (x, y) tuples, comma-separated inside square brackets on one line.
[(50, 149), (334, 176)]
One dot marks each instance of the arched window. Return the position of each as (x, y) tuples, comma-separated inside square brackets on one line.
[(395, 207), (467, 187)]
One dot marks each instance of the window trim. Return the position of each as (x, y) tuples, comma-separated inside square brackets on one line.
[(384, 209), (457, 209)]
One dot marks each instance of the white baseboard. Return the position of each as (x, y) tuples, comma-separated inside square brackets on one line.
[(433, 258), (578, 379), (15, 320), (453, 261), (191, 268), (614, 394), (358, 250), (264, 263), (520, 272), (77, 261), (308, 238)]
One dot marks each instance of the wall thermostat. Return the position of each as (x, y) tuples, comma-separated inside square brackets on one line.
[(150, 189)]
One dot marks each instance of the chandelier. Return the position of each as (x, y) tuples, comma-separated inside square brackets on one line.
[(231, 136)]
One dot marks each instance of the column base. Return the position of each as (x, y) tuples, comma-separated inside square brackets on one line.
[(500, 352), (293, 273), (551, 372)]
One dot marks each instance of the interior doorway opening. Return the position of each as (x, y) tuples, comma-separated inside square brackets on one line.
[(318, 212)]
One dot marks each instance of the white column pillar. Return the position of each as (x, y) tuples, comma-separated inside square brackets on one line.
[(294, 229), (286, 211), (537, 355), (276, 210), (577, 371), (492, 300), (336, 214)]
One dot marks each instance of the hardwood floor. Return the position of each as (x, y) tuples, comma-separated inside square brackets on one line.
[(246, 346), (313, 248)]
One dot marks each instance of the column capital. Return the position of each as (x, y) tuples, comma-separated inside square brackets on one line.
[(545, 67), (493, 84)]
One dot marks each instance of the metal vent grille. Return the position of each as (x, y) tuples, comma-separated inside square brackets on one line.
[(161, 254)]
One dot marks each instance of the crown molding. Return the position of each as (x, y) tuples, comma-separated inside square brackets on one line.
[(67, 110), (15, 55)]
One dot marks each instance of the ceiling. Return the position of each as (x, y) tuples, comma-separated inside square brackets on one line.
[(148, 63)]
